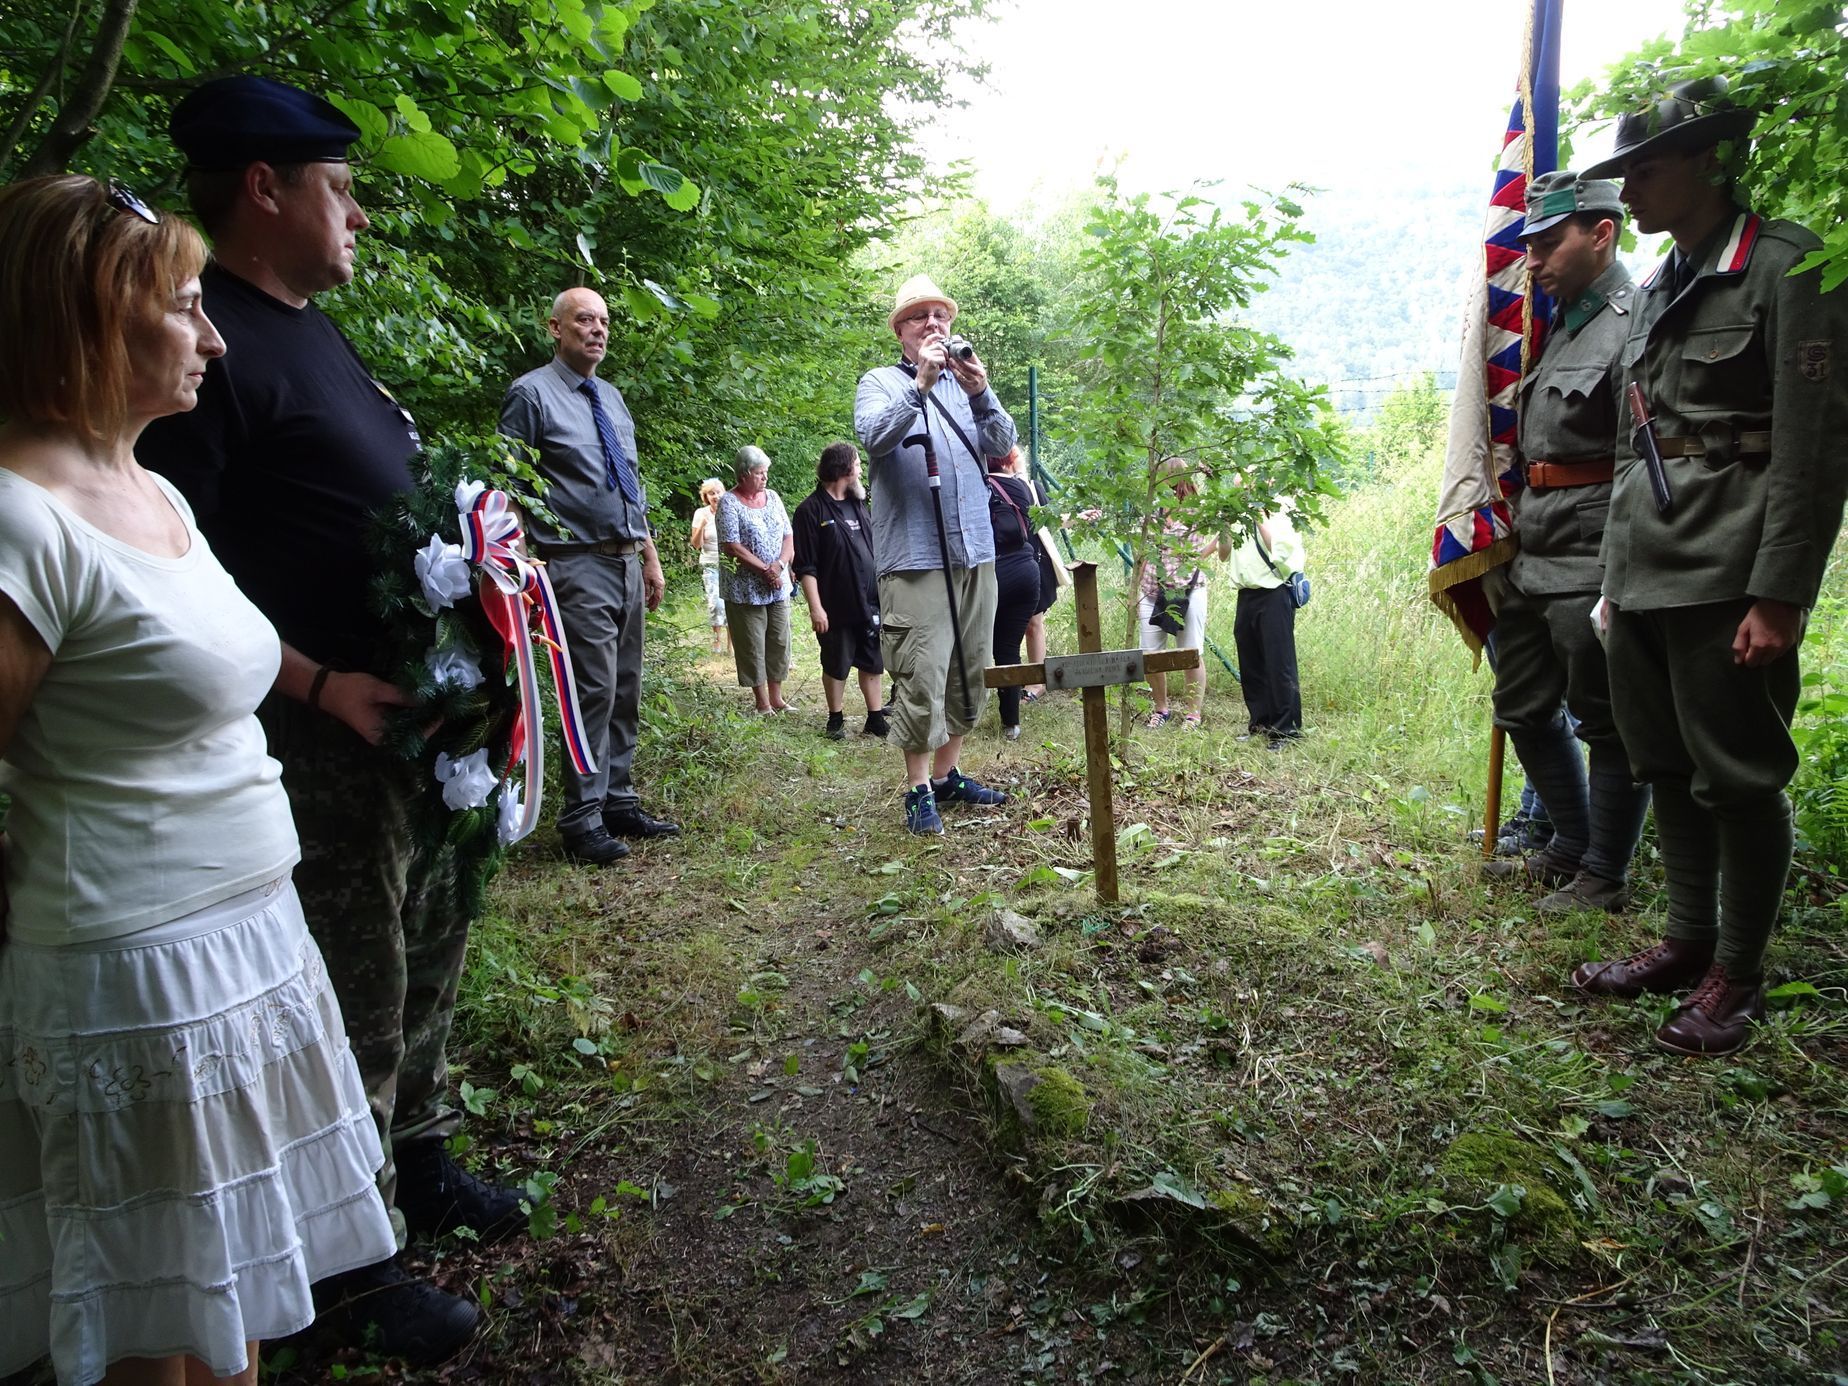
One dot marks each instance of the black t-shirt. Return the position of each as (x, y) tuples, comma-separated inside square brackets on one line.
[(1010, 506), (292, 448), (834, 545)]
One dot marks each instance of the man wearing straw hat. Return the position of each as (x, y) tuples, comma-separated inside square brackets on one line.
[(936, 550), (1712, 562), (1546, 648)]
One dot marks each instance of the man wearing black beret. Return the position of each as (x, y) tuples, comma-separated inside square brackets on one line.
[(292, 447)]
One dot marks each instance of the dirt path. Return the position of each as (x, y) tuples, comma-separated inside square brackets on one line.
[(765, 1173)]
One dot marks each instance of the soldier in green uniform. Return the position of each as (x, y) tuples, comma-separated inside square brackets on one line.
[(1708, 585), (1546, 648)]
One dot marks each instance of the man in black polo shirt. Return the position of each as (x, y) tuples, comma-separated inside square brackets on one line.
[(835, 565), (291, 449)]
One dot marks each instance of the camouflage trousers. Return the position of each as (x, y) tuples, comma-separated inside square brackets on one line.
[(389, 924)]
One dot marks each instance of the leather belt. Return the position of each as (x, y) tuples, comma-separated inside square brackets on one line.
[(620, 548), (1755, 444), (1553, 476)]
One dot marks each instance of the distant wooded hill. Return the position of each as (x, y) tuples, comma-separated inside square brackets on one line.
[(1377, 300)]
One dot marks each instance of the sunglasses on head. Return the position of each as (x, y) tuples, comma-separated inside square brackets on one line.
[(123, 199)]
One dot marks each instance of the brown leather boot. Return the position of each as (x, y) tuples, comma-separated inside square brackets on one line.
[(1716, 1019), (1669, 966)]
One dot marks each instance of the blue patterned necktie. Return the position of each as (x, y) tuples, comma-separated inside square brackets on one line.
[(619, 474)]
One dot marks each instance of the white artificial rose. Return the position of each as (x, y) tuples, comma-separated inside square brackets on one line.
[(466, 494), (512, 810), (467, 780), (451, 668), (443, 573)]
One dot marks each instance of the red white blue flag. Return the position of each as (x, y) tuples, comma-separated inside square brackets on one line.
[(1504, 327)]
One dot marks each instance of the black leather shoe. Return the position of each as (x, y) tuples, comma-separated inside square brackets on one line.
[(595, 848), (395, 1314), (633, 822), (436, 1195)]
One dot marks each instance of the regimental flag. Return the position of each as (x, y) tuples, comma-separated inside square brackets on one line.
[(1504, 328)]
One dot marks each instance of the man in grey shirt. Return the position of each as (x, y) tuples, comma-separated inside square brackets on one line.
[(932, 392), (603, 566)]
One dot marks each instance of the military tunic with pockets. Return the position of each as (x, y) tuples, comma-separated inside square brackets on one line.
[(1738, 370), (1546, 649)]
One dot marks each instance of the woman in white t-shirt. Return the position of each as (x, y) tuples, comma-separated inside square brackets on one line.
[(184, 1138), (704, 536)]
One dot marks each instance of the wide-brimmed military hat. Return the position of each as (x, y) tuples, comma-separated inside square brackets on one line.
[(232, 122), (1694, 115), (920, 288), (1552, 197)]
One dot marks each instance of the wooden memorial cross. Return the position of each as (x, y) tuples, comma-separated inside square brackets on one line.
[(1093, 669)]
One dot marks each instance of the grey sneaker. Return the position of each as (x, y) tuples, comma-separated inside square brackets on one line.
[(1586, 892), (1543, 868)]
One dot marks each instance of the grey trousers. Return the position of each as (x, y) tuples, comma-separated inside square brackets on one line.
[(603, 605)]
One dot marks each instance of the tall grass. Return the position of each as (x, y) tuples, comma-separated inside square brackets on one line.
[(1388, 686)]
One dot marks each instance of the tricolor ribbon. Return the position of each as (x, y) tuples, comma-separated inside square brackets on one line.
[(490, 536)]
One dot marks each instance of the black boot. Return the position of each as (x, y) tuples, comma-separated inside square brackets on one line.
[(436, 1195), (395, 1314)]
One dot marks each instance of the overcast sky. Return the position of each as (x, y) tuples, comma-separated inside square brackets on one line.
[(1342, 94)]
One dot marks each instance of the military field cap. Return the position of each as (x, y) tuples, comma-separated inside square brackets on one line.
[(235, 121), (1694, 115), (920, 288), (1552, 197)]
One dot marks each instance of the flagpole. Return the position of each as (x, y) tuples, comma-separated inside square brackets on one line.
[(1498, 739)]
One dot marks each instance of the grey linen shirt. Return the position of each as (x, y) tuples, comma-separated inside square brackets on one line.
[(887, 409), (545, 407)]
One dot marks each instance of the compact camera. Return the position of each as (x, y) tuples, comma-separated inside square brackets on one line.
[(958, 349)]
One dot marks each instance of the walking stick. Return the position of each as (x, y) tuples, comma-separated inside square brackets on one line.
[(943, 549), (1492, 814)]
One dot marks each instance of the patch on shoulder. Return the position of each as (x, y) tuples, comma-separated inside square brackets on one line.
[(1813, 359)]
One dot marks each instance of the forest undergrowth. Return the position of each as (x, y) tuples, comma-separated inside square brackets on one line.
[(798, 1097)]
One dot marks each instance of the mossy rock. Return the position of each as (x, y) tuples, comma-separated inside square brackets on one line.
[(1227, 1219), (1254, 1221), (1061, 1106), (1482, 1160), (1035, 1099)]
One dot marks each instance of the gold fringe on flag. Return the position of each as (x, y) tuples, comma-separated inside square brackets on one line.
[(1466, 569)]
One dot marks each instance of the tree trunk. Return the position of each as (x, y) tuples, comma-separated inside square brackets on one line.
[(70, 130)]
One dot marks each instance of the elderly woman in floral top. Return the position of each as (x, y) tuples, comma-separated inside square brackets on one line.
[(758, 543)]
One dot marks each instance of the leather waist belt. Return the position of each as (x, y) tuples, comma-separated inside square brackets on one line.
[(1552, 476), (1756, 444), (612, 547)]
